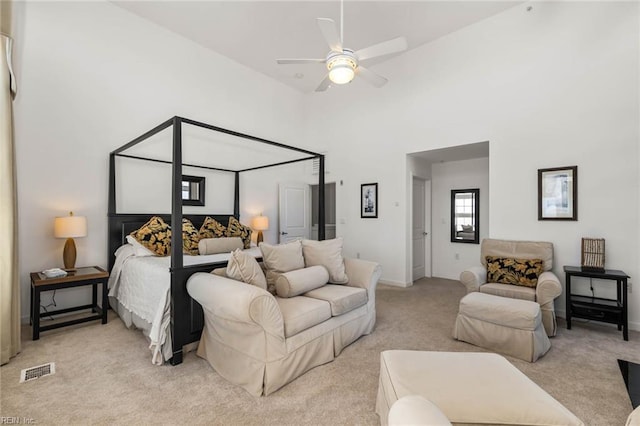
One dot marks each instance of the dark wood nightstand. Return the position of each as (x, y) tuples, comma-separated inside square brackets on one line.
[(92, 275)]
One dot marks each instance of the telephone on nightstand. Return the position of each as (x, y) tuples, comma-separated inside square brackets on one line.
[(54, 273)]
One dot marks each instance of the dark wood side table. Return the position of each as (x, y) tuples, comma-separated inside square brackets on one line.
[(92, 275), (613, 311)]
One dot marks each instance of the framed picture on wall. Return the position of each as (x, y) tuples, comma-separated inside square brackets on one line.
[(369, 200), (558, 193)]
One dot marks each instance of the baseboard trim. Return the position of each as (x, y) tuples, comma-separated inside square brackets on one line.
[(395, 283)]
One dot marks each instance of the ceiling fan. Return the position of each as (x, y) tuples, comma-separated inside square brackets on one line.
[(344, 64)]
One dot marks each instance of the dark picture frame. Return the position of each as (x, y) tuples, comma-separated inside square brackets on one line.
[(192, 190), (558, 193), (369, 200)]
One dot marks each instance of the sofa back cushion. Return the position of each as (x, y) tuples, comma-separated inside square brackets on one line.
[(508, 270), (518, 249), (327, 253), (300, 281)]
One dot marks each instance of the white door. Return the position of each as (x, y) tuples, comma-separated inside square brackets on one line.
[(421, 238), (295, 211), (417, 230), (427, 228)]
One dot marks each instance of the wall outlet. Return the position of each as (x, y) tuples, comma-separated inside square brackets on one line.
[(457, 256)]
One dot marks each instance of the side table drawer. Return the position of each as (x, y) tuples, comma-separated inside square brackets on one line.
[(613, 315)]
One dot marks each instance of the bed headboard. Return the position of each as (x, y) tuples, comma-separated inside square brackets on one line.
[(122, 224)]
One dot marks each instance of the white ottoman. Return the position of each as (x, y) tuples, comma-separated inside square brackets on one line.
[(509, 326), (467, 387)]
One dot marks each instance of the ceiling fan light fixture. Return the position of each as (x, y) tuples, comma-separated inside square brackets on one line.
[(342, 68)]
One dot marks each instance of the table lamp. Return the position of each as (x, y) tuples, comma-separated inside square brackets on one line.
[(70, 227), (260, 223)]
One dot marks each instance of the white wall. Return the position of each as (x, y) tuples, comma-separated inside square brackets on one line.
[(91, 78), (552, 87), (467, 174)]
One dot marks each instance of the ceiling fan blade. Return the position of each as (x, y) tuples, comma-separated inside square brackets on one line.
[(324, 84), (385, 48), (330, 34), (371, 77), (299, 61)]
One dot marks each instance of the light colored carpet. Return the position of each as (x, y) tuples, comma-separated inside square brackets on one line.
[(104, 374)]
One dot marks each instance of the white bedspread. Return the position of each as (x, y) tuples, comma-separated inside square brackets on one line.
[(142, 285)]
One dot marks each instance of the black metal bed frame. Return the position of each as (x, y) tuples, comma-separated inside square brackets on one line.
[(186, 314)]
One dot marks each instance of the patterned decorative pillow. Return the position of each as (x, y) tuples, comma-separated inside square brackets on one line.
[(211, 228), (236, 229), (505, 270), (155, 235), (190, 238)]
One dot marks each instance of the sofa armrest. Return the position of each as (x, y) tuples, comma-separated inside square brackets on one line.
[(416, 410), (548, 288), (234, 301), (473, 278), (363, 274)]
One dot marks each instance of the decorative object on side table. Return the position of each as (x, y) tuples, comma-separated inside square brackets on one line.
[(92, 275), (70, 227), (592, 257), (369, 200), (558, 193), (260, 223)]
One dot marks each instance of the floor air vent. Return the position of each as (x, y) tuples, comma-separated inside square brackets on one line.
[(37, 372)]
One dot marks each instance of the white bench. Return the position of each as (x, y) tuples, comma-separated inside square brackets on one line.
[(466, 387)]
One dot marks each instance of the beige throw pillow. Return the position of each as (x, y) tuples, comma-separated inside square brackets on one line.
[(300, 281), (327, 253), (244, 267), (281, 258), (219, 245)]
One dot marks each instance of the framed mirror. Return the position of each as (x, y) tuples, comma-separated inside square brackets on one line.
[(465, 216), (192, 190)]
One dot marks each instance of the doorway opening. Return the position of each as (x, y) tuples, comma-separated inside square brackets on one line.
[(329, 211)]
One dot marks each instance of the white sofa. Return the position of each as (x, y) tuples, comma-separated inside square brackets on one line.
[(545, 292), (262, 342)]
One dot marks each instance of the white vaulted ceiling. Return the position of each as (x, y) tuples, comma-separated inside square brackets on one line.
[(256, 33)]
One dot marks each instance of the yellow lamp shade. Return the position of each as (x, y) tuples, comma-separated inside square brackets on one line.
[(260, 223), (70, 227)]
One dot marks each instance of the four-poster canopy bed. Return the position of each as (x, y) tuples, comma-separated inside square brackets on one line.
[(186, 316)]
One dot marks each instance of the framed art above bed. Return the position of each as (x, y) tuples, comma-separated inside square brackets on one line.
[(185, 315)]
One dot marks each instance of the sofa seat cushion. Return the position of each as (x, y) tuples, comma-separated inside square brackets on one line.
[(508, 290), (300, 313), (341, 298), (519, 314)]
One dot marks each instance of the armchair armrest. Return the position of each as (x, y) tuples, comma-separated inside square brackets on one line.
[(233, 301), (548, 288), (363, 274), (473, 278), (416, 410)]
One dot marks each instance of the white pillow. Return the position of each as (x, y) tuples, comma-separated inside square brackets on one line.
[(219, 245), (300, 281), (327, 253), (282, 257), (139, 249), (244, 267)]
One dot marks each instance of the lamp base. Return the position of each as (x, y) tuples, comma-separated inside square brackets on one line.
[(69, 255), (259, 239)]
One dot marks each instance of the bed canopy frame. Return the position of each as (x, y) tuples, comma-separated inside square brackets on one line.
[(186, 313)]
